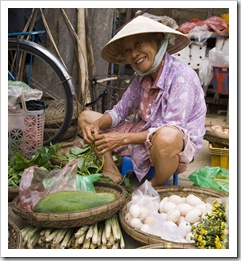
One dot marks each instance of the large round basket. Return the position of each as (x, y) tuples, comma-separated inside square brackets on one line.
[(12, 193), (14, 237), (148, 239), (78, 218), (168, 246)]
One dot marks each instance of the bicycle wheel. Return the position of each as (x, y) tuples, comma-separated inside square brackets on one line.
[(33, 64)]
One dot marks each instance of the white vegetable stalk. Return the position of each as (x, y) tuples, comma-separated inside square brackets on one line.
[(86, 237)]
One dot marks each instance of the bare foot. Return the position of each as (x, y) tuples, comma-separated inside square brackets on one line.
[(113, 175)]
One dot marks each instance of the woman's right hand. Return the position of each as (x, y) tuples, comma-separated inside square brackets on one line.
[(89, 132)]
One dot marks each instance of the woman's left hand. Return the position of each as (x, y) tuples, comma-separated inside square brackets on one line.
[(108, 141)]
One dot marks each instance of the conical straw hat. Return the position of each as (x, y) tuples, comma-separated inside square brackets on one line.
[(113, 50)]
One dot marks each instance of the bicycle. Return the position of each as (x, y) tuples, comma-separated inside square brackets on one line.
[(33, 64), (112, 87)]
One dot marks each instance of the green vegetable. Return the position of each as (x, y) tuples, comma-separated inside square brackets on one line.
[(41, 158), (68, 201)]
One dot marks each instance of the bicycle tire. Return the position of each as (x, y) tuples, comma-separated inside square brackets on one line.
[(53, 79)]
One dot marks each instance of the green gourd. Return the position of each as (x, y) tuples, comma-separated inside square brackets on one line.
[(69, 201)]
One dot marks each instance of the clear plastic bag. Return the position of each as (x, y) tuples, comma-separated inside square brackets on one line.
[(143, 214), (145, 196), (166, 230), (144, 201), (38, 182)]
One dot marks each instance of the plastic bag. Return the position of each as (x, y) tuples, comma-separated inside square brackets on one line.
[(205, 72), (211, 177), (15, 90), (86, 183), (144, 201), (200, 33), (224, 201), (37, 182), (165, 230), (218, 58), (142, 213), (214, 23)]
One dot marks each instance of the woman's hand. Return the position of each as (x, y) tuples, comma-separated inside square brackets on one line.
[(108, 141), (89, 132)]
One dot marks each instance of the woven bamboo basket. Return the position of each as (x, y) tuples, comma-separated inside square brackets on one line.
[(14, 238), (168, 246), (54, 117), (12, 193), (148, 239), (78, 218), (54, 111)]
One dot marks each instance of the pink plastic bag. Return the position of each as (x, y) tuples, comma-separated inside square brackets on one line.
[(36, 183), (214, 23)]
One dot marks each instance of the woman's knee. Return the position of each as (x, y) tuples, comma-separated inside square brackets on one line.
[(167, 137), (88, 116)]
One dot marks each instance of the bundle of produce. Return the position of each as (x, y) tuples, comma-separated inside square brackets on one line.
[(105, 234), (213, 231)]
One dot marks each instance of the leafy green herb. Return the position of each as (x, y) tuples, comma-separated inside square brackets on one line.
[(41, 158)]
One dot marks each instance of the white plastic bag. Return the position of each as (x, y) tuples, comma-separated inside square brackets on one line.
[(218, 58), (144, 201), (166, 230), (15, 90)]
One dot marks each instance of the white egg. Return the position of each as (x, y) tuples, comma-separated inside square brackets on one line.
[(168, 206), (193, 215), (193, 200), (173, 215), (202, 207), (181, 219), (184, 208), (136, 223), (128, 217), (144, 213), (175, 199), (150, 220), (163, 215), (135, 210), (186, 227), (164, 200)]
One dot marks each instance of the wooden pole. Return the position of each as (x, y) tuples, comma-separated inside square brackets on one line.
[(82, 50)]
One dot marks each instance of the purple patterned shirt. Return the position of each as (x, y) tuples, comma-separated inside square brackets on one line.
[(180, 101)]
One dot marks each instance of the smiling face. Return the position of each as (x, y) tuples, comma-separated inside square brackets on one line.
[(140, 51)]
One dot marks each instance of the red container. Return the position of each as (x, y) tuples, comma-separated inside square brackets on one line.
[(221, 79)]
